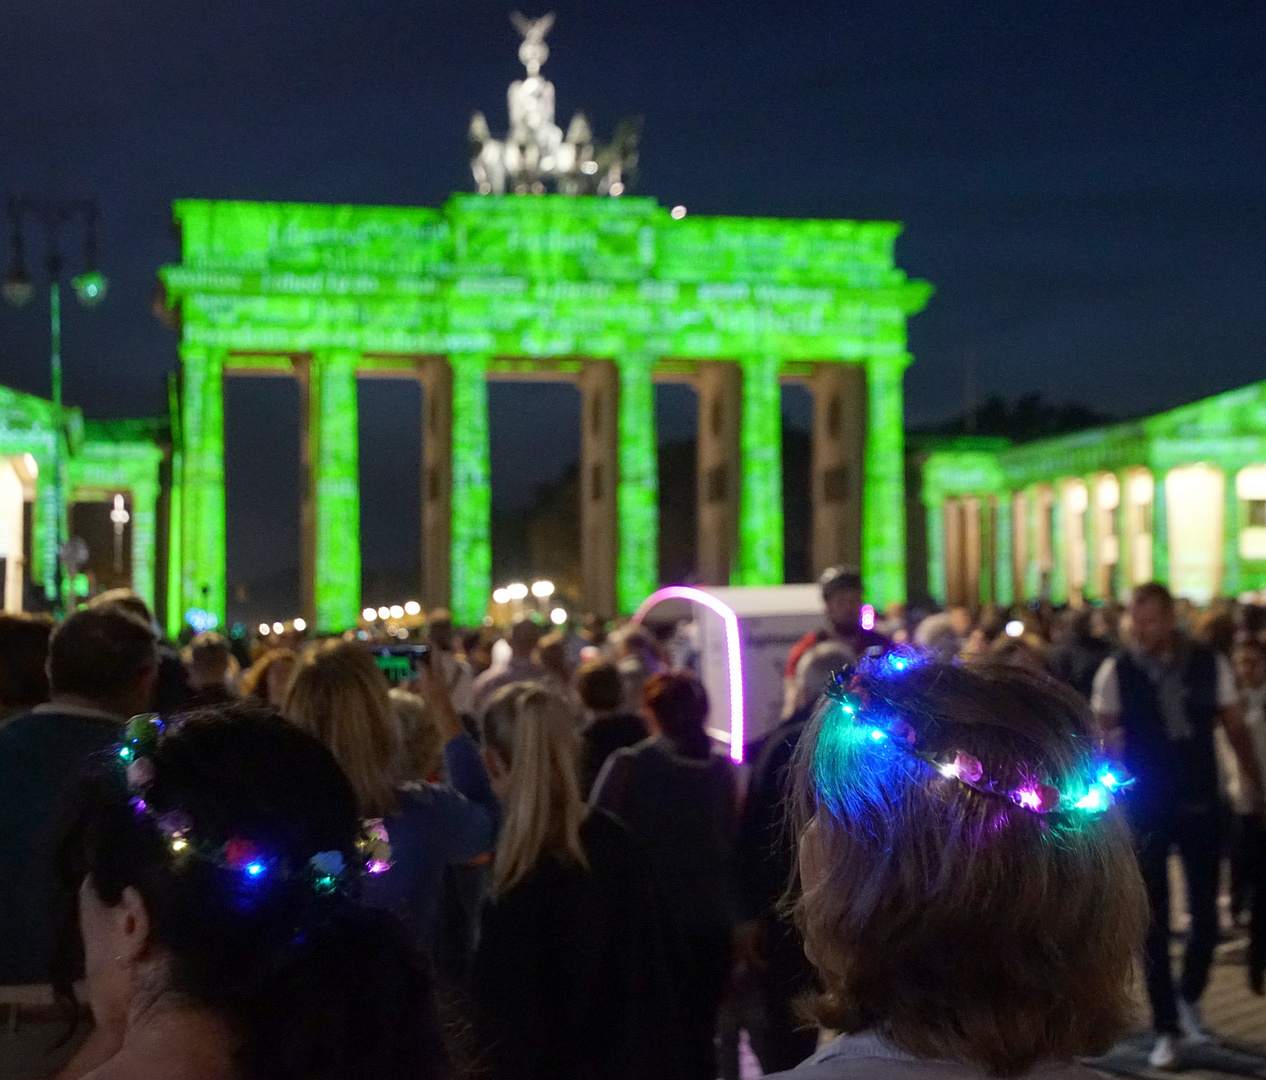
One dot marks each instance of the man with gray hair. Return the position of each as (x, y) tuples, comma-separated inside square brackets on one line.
[(766, 854)]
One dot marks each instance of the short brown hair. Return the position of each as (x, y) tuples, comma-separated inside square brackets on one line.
[(1155, 593), (679, 704), (23, 654), (958, 924), (598, 683), (100, 652)]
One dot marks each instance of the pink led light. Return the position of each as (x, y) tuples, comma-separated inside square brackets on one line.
[(868, 617), (732, 650), (1029, 798)]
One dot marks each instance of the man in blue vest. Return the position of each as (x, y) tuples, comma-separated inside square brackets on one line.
[(1159, 702)]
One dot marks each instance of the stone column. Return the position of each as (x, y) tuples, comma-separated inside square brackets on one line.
[(760, 544), (937, 551), (637, 498), (1059, 554), (719, 468), (1003, 549), (599, 468), (144, 492), (436, 377), (1231, 581), (839, 455), (331, 518), (883, 493), (471, 547), (1160, 527), (203, 561), (43, 524)]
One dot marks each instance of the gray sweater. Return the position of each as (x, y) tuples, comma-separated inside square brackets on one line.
[(866, 1057)]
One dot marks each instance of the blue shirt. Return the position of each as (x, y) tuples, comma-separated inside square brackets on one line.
[(438, 825)]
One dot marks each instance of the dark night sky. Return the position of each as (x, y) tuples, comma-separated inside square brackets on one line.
[(1085, 184)]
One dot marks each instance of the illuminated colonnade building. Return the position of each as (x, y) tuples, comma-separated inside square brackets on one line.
[(102, 460), (613, 294), (1178, 497)]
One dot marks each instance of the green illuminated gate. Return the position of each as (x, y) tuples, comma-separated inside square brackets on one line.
[(613, 293)]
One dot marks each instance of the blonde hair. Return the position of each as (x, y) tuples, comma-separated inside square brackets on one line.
[(423, 744), (535, 731), (254, 680), (339, 696)]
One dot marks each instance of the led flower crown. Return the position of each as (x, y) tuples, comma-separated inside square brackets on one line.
[(325, 871), (876, 725)]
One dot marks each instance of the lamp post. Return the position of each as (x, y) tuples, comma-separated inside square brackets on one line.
[(53, 215)]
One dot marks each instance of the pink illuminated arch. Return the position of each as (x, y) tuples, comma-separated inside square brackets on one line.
[(732, 651)]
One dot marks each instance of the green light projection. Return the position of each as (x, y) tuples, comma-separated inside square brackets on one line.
[(1226, 432), (637, 501), (472, 488), (538, 282), (760, 498), (100, 458), (332, 402)]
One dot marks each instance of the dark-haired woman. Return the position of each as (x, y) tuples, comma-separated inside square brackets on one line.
[(213, 865), (970, 895), (679, 798)]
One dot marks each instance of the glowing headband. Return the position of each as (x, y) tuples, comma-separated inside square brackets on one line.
[(326, 871), (1091, 795)]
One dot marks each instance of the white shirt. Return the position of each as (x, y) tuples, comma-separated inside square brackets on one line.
[(1105, 695)]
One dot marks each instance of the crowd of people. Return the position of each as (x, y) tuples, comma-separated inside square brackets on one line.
[(528, 858)]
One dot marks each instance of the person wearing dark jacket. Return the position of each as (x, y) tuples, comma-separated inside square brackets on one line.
[(1077, 657), (607, 728), (1158, 704), (571, 977), (680, 800), (102, 665), (767, 942)]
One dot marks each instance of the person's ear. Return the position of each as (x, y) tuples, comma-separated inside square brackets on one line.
[(131, 925)]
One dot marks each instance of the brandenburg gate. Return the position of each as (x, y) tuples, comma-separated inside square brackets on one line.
[(612, 293)]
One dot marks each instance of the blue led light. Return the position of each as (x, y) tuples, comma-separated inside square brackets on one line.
[(877, 734), (255, 869)]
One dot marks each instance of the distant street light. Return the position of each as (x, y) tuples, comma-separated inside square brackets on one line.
[(516, 591), (542, 589), (51, 214)]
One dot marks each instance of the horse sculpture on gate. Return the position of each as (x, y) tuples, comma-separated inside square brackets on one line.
[(535, 152)]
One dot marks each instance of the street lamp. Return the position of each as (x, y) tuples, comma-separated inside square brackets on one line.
[(52, 214)]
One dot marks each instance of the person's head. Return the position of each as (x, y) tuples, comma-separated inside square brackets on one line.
[(339, 696), (675, 705), (842, 594), (525, 635), (104, 657), (125, 599), (423, 743), (532, 749), (816, 669), (23, 659), (268, 679), (440, 631), (939, 909), (210, 662), (1026, 651), (598, 683), (1152, 618), (551, 654), (1249, 660), (477, 648), (212, 879)]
